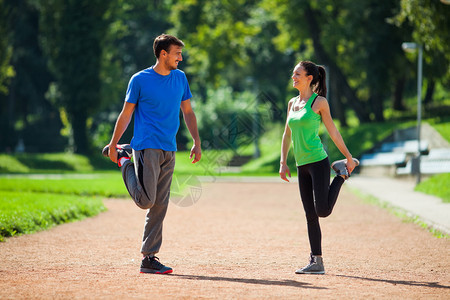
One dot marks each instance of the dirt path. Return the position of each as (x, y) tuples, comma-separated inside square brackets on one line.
[(241, 240)]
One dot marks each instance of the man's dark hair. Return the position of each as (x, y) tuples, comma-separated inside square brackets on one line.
[(163, 42)]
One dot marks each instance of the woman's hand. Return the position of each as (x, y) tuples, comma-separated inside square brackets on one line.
[(351, 165), (283, 170)]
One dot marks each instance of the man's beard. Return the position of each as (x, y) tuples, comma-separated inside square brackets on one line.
[(171, 67)]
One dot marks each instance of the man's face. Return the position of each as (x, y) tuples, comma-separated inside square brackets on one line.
[(172, 57)]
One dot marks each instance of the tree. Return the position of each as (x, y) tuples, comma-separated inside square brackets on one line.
[(216, 34), (6, 73), (127, 49), (30, 111), (430, 23), (303, 29), (72, 35), (6, 70), (229, 44)]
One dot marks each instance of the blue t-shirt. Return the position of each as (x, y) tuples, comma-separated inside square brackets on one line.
[(158, 99)]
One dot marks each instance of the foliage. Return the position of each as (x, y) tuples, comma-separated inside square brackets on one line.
[(226, 118), (24, 212), (436, 185), (127, 49), (349, 38), (214, 47), (27, 111), (6, 70), (430, 22), (229, 44), (72, 34)]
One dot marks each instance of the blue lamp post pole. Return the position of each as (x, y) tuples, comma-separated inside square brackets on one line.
[(411, 47)]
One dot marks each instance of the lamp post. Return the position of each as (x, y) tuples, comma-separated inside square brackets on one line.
[(411, 47)]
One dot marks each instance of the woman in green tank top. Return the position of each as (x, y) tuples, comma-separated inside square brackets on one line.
[(305, 113)]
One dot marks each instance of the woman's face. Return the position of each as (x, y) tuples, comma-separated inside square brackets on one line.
[(300, 80)]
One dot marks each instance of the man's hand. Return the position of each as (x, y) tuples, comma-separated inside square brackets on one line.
[(113, 153), (196, 153)]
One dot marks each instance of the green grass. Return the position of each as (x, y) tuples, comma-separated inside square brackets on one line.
[(444, 130), (25, 212), (437, 185), (399, 213), (442, 125), (44, 162), (96, 184), (9, 164)]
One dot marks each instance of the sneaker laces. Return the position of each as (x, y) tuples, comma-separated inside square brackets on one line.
[(312, 261), (155, 261)]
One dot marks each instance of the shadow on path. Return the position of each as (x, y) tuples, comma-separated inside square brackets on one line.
[(291, 283), (402, 282)]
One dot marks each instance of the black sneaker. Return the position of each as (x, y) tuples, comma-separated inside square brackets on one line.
[(153, 266), (123, 150)]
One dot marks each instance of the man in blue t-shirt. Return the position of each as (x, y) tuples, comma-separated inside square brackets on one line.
[(155, 95)]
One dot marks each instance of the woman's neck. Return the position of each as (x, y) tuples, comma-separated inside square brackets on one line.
[(305, 94)]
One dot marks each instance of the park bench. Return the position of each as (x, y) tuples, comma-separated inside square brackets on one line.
[(437, 161), (383, 159), (408, 147)]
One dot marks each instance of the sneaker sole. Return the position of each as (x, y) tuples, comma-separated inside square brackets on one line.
[(311, 273), (151, 271)]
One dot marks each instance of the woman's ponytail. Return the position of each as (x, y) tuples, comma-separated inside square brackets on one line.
[(321, 85)]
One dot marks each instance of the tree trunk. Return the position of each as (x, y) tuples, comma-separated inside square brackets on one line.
[(398, 94), (336, 104), (340, 78), (11, 139), (430, 91), (377, 106), (79, 131)]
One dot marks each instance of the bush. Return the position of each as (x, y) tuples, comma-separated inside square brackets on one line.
[(226, 119)]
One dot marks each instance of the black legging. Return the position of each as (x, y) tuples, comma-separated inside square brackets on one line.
[(318, 197)]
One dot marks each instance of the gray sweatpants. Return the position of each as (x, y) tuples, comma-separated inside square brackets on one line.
[(148, 182)]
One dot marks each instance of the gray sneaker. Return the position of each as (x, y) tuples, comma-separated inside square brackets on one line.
[(341, 169), (315, 266)]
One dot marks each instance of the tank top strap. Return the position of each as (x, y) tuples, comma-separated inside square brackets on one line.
[(314, 96)]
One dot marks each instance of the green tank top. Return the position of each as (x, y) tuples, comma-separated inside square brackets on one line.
[(304, 125)]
